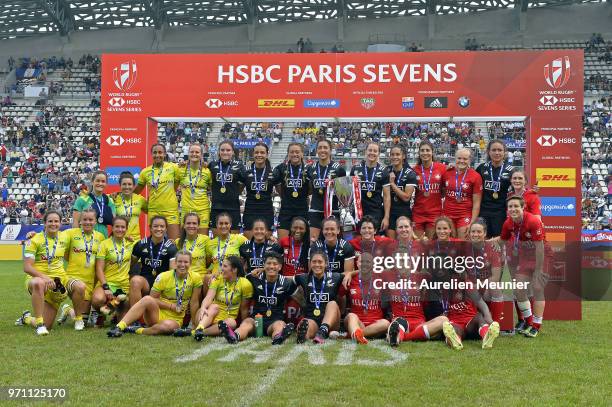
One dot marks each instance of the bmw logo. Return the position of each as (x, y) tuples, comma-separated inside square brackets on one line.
[(464, 101)]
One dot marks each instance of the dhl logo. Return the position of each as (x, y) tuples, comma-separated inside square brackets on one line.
[(276, 103), (556, 177)]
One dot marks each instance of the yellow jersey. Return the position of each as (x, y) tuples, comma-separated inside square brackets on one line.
[(41, 247), (224, 248), (131, 207), (229, 295), (167, 284), (195, 198), (117, 257), (197, 249), (77, 247), (162, 184)]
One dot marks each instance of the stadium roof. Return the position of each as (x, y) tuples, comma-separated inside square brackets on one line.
[(20, 18)]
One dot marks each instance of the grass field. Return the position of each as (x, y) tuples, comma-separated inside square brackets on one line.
[(568, 364)]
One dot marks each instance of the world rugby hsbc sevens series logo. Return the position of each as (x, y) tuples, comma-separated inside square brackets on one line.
[(557, 72), (124, 75)]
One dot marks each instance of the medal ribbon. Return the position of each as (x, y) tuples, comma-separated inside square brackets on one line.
[(365, 301), (99, 205), (119, 259), (88, 249), (266, 290), (155, 183), (365, 172), (332, 258), (51, 256), (314, 288), (517, 235), (295, 260), (459, 187), (258, 183), (263, 249), (322, 179), (222, 256), (156, 259), (125, 207), (179, 298), (193, 185), (427, 182), (295, 189), (231, 299), (224, 173), (496, 184)]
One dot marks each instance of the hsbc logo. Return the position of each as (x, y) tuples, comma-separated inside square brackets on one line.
[(548, 140), (557, 72), (116, 102), (124, 75), (213, 103), (548, 100), (115, 141)]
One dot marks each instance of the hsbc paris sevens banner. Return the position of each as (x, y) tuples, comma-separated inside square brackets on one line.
[(544, 88)]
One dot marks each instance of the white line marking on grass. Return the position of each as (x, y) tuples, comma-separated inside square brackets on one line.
[(203, 351), (255, 349), (396, 356), (345, 356), (315, 357)]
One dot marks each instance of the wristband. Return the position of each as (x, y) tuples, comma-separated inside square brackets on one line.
[(105, 287)]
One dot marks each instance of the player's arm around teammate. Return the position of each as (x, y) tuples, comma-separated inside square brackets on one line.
[(46, 277), (163, 310)]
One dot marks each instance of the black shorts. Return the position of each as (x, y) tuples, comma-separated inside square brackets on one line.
[(234, 214), (495, 221), (250, 215), (267, 322), (285, 218), (393, 219)]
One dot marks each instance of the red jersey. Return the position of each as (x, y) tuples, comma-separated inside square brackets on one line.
[(490, 259), (291, 254), (460, 204), (428, 179), (408, 302), (519, 237), (532, 202), (380, 248), (365, 300)]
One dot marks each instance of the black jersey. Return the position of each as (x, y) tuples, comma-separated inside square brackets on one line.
[(406, 177), (226, 177), (293, 179), (259, 182), (317, 175), (318, 295), (336, 254), (253, 253), (372, 181), (271, 296), (154, 259), (494, 181)]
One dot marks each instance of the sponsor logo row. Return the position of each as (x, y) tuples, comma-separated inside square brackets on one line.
[(407, 102)]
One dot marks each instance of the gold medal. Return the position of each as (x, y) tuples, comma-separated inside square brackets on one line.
[(316, 312), (222, 190), (369, 194), (269, 313), (495, 195), (257, 196), (426, 193), (295, 194), (321, 191)]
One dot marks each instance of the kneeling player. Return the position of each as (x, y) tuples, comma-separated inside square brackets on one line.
[(227, 297), (366, 317), (164, 309), (270, 295), (321, 312), (468, 317)]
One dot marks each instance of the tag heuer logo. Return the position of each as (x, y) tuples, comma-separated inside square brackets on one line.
[(436, 102), (115, 140), (116, 102), (213, 103), (547, 140), (368, 103), (548, 100)]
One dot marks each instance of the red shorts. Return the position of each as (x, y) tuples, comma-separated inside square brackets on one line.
[(370, 317), (461, 221), (422, 223), (461, 320), (414, 324)]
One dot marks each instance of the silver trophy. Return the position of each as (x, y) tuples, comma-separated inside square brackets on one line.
[(343, 189)]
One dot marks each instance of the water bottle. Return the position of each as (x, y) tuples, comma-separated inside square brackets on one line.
[(258, 325)]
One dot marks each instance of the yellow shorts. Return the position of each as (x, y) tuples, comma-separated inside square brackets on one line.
[(204, 215), (114, 287), (165, 314), (171, 216), (88, 287), (53, 298), (223, 315)]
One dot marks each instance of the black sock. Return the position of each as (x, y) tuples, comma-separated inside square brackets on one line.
[(324, 329)]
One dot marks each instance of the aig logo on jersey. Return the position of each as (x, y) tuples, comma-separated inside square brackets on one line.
[(256, 263), (294, 183), (259, 186), (224, 177), (320, 297), (556, 177), (266, 300)]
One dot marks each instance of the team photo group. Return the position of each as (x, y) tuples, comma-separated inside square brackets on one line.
[(213, 266)]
